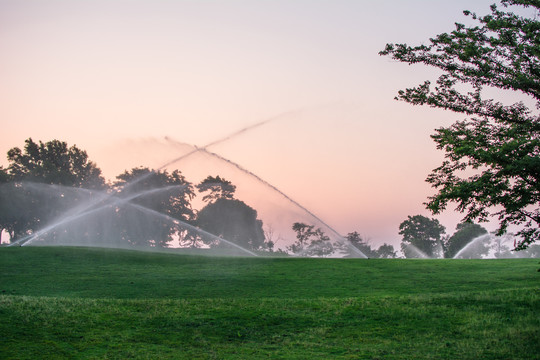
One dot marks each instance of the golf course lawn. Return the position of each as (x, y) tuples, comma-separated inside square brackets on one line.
[(92, 303)]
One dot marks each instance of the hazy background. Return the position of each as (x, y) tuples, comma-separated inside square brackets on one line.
[(128, 80)]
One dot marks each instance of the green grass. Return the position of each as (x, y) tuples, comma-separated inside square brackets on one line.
[(116, 304)]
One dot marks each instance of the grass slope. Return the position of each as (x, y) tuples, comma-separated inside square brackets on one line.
[(117, 304)]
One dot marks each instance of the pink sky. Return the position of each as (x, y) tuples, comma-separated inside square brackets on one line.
[(117, 77)]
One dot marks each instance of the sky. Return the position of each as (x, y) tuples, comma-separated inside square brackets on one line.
[(133, 82)]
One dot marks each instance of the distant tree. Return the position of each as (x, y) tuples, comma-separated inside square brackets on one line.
[(499, 145), (149, 204), (234, 221), (532, 251), (217, 188), (310, 241), (356, 240), (421, 233), (270, 237), (501, 249), (465, 233), (304, 233), (386, 251)]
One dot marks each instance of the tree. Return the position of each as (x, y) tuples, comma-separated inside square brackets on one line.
[(465, 233), (41, 185), (310, 241), (54, 162), (421, 236), (149, 204), (358, 242), (499, 144), (217, 187), (232, 220), (386, 251)]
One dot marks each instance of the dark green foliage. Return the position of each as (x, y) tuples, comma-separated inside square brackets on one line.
[(358, 242), (217, 187), (423, 234), (54, 162), (310, 241), (147, 194), (386, 251), (24, 207), (233, 220), (94, 303), (465, 232), (499, 144)]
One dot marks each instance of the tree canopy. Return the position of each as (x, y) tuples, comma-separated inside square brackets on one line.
[(217, 188), (310, 241), (54, 162), (422, 236), (154, 200), (234, 221), (384, 251), (498, 144), (36, 184), (465, 233)]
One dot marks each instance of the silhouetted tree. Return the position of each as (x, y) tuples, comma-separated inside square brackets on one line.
[(217, 187), (465, 233), (234, 221), (270, 237), (499, 144), (358, 242), (54, 162), (386, 251), (310, 241), (39, 181), (152, 206), (423, 234)]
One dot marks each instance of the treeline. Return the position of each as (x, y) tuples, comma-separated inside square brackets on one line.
[(53, 193), (311, 241), (425, 237)]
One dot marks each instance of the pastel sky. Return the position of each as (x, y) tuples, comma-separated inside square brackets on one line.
[(128, 81)]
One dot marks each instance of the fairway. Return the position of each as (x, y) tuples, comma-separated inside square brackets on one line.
[(67, 302)]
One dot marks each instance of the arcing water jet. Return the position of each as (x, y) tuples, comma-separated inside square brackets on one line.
[(113, 201), (340, 238), (226, 138), (87, 210)]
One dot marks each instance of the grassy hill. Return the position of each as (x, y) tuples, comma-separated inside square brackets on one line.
[(61, 302)]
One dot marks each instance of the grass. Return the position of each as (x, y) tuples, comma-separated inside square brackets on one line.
[(117, 304)]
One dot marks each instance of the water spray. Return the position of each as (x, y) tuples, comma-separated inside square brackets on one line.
[(341, 239)]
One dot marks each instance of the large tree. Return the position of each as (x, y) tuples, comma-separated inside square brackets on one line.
[(422, 236), (234, 221), (153, 206), (465, 233), (54, 162), (498, 144), (43, 181)]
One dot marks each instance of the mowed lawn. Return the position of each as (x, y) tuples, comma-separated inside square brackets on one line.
[(84, 303)]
